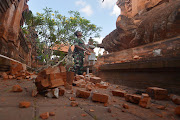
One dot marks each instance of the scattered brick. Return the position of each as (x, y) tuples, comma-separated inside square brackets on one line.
[(72, 99), (88, 87), (119, 93), (52, 113), (105, 104), (10, 76), (34, 93), (132, 98), (45, 115), (91, 110), (161, 107), (61, 91), (175, 99), (177, 110), (81, 76), (5, 76), (125, 106), (82, 94), (145, 102), (100, 97), (68, 87), (101, 86), (79, 82), (157, 93), (74, 104), (95, 80), (24, 104), (83, 115), (82, 85), (17, 88)]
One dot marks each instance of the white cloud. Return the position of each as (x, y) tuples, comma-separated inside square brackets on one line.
[(87, 10), (107, 3), (80, 2), (116, 11)]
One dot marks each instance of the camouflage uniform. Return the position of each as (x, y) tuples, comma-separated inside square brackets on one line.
[(78, 56)]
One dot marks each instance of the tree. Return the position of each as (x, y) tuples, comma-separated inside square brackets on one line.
[(54, 28)]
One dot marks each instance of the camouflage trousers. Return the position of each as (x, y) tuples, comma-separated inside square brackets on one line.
[(78, 63)]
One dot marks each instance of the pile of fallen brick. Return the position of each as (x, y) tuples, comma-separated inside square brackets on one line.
[(17, 71)]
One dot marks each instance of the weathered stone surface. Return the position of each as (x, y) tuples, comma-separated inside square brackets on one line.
[(143, 22), (119, 93), (157, 93), (100, 97), (82, 94)]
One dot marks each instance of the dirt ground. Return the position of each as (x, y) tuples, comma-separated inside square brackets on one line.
[(87, 110)]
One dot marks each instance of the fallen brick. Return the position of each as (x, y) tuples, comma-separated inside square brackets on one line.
[(88, 87), (175, 99), (74, 104), (161, 107), (91, 110), (81, 76), (125, 106), (145, 102), (100, 97), (45, 115), (24, 104), (19, 78), (105, 104), (101, 86), (57, 79), (61, 91), (132, 98), (34, 93), (17, 88), (5, 76), (109, 110), (157, 93), (51, 113), (95, 80), (10, 76), (82, 85), (177, 110), (70, 77), (72, 99), (79, 82), (119, 93), (77, 77), (82, 94), (83, 115)]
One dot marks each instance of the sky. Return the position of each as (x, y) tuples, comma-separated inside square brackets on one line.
[(103, 14)]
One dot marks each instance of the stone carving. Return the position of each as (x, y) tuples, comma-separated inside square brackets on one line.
[(142, 22)]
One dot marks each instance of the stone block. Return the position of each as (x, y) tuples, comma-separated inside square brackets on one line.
[(119, 93), (24, 104), (100, 97), (57, 79), (157, 93), (82, 94), (95, 80)]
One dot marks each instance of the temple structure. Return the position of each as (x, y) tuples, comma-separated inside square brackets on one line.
[(144, 49), (13, 43)]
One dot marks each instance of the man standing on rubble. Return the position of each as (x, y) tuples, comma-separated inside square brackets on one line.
[(78, 54)]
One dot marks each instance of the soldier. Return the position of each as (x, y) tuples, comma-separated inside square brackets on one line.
[(78, 54)]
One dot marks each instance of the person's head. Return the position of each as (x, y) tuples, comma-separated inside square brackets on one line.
[(78, 34)]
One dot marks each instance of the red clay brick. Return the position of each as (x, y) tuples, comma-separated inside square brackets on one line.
[(132, 98), (145, 102), (61, 91), (100, 97), (5, 76), (17, 88), (74, 104), (45, 115), (101, 86), (82, 94), (57, 79), (24, 104), (125, 106), (177, 110), (95, 80), (119, 93), (157, 93), (175, 99), (52, 113)]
